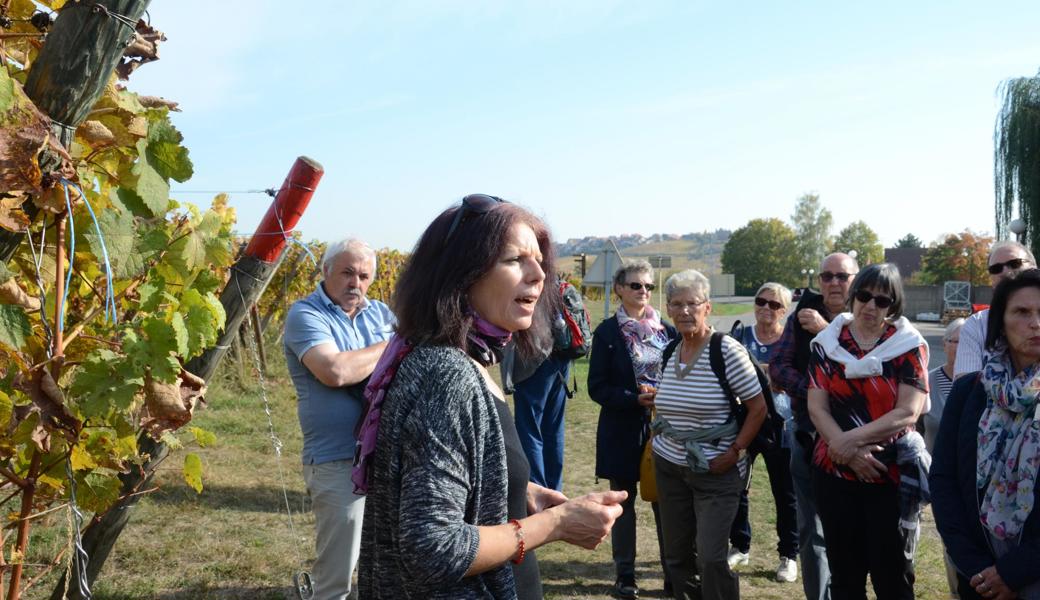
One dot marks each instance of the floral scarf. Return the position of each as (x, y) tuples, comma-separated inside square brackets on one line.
[(1009, 445), (484, 343), (645, 338)]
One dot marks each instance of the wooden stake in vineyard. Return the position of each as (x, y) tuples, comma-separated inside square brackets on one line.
[(250, 275)]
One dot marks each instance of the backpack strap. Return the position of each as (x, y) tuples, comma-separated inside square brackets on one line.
[(668, 351), (718, 366)]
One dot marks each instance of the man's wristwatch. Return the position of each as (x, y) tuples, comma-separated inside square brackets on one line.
[(741, 452)]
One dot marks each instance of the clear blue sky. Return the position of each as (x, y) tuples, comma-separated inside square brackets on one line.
[(603, 117)]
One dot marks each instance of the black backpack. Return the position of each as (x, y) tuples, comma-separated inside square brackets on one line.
[(771, 432), (572, 332)]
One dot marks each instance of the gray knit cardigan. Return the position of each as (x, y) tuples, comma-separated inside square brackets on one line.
[(439, 471)]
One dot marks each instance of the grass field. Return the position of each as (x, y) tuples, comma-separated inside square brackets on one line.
[(233, 541)]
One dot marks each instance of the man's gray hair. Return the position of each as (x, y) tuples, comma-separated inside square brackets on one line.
[(349, 245), (954, 326), (783, 295), (637, 265), (1010, 244), (690, 279)]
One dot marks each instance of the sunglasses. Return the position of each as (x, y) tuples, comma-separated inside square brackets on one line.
[(773, 304), (636, 286), (1014, 263), (881, 302), (476, 204), (828, 277)]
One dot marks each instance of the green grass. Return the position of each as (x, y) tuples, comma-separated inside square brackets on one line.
[(233, 540)]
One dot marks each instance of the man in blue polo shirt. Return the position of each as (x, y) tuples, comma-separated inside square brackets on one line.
[(333, 339)]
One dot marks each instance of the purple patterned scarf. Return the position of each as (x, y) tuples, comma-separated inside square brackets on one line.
[(484, 342)]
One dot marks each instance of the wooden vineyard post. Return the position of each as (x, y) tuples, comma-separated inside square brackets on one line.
[(71, 72), (249, 277)]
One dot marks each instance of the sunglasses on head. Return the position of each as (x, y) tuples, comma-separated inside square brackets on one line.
[(1014, 263), (476, 204), (636, 286), (773, 304), (881, 302), (828, 277)]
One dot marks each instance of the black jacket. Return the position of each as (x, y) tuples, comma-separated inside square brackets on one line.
[(624, 425), (955, 499)]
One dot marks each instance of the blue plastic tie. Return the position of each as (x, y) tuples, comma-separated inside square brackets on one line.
[(110, 293), (305, 247)]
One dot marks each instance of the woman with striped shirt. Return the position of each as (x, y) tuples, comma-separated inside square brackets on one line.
[(700, 451)]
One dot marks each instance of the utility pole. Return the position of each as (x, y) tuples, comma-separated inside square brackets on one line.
[(581, 261)]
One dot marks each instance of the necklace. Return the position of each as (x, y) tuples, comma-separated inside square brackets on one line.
[(768, 337), (864, 345)]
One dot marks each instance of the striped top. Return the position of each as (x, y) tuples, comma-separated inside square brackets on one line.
[(690, 397)]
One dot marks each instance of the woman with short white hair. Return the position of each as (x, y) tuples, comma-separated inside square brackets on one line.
[(700, 450)]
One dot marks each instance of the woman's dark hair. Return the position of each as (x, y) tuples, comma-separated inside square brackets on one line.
[(1001, 295), (880, 277), (430, 299)]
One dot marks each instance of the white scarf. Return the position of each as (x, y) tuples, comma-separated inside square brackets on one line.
[(905, 339)]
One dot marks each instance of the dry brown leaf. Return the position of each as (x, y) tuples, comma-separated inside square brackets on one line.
[(12, 217), (157, 102), (138, 126), (49, 401), (169, 406), (96, 134), (143, 49), (12, 293)]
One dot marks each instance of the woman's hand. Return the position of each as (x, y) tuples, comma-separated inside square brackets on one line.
[(647, 393), (866, 467), (540, 498), (989, 584), (723, 462), (587, 521), (843, 447)]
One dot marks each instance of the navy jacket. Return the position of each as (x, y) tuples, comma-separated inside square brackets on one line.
[(624, 425), (955, 499)]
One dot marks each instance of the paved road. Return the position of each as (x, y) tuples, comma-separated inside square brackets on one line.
[(932, 332)]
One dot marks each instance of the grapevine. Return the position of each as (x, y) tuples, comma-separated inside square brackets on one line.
[(85, 370)]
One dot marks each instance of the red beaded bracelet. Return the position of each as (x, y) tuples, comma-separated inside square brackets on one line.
[(520, 540)]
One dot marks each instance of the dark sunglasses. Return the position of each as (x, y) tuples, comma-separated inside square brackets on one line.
[(881, 302), (476, 204), (636, 286), (773, 304), (828, 277), (1014, 263)]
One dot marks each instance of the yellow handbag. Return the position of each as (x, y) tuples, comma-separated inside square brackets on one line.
[(647, 477)]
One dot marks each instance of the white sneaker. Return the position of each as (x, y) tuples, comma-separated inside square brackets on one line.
[(737, 558), (787, 572)]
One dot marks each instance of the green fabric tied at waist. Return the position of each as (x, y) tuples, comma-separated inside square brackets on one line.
[(690, 439)]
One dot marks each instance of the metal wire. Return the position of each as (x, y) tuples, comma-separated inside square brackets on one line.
[(276, 443), (79, 556)]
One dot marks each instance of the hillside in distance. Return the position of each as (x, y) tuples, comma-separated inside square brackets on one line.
[(701, 251)]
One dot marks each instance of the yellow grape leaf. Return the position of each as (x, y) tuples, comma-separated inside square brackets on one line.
[(51, 481), (6, 409), (81, 459), (193, 472), (202, 437)]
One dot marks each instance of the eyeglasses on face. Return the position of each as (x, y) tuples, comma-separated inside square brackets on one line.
[(678, 306), (477, 204), (773, 304), (1013, 264), (828, 277), (636, 286), (881, 302)]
